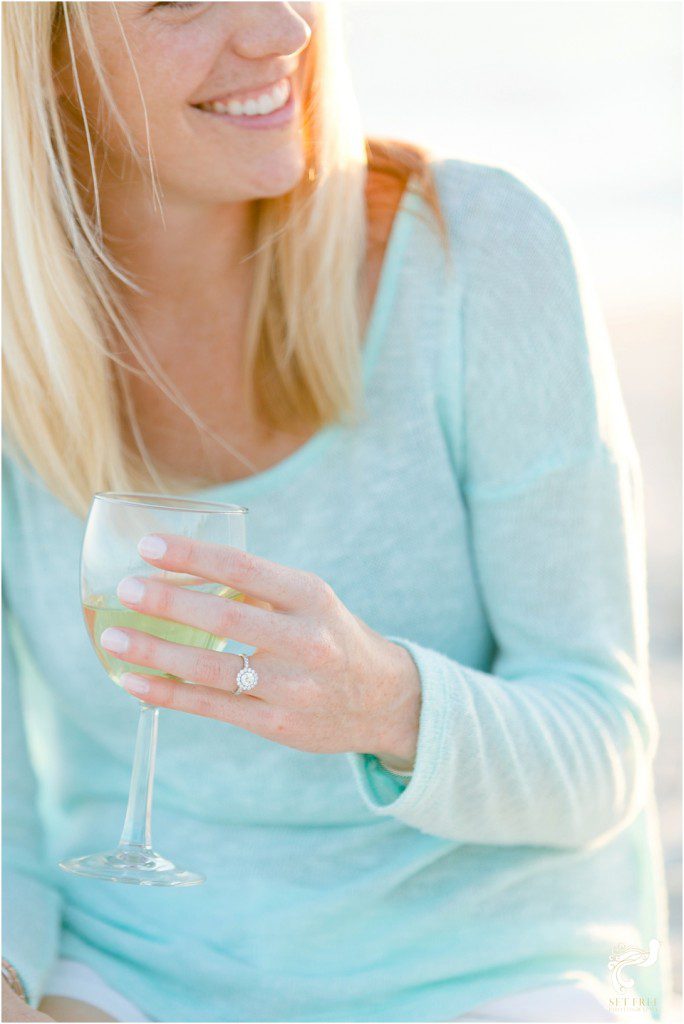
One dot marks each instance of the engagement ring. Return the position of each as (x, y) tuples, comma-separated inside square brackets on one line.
[(247, 677)]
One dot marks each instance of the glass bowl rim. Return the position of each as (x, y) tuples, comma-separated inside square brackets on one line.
[(210, 507)]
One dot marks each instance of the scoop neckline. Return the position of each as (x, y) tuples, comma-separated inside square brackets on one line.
[(279, 472)]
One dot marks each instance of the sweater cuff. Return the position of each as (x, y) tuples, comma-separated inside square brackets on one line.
[(408, 799), (31, 921)]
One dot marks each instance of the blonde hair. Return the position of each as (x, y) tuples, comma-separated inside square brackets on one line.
[(65, 393)]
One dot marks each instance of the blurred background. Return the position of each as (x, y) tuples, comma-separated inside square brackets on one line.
[(582, 99)]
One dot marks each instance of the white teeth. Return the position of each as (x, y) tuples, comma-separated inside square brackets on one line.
[(276, 98)]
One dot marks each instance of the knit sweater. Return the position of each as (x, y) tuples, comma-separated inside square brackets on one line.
[(487, 514)]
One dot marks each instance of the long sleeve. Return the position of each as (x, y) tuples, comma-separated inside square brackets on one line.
[(552, 746), (31, 905)]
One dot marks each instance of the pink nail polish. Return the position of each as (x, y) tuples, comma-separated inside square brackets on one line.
[(152, 546), (135, 684), (114, 640), (131, 590)]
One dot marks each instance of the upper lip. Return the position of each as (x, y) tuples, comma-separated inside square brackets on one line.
[(237, 93)]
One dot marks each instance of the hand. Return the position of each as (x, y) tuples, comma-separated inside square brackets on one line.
[(328, 683), (14, 1008)]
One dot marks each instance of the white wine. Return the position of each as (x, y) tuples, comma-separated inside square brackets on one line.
[(100, 612), (116, 521)]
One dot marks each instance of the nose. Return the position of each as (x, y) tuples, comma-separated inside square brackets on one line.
[(267, 29)]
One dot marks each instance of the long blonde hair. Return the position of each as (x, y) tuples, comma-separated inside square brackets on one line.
[(65, 393)]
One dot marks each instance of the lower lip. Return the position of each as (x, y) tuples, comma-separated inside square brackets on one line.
[(257, 122)]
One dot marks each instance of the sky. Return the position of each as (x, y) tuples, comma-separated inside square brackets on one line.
[(582, 97)]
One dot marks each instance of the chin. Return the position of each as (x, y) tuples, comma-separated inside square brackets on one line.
[(265, 178), (278, 175)]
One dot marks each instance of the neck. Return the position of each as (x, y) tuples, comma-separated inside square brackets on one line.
[(191, 252), (191, 264)]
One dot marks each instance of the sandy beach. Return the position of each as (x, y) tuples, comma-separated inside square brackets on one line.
[(647, 346)]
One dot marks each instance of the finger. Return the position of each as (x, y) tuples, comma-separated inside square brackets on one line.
[(220, 616), (185, 580), (195, 664), (241, 709), (283, 586)]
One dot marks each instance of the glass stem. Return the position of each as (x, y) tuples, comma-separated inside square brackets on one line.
[(137, 826)]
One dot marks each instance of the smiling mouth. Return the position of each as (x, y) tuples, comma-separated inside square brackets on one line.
[(253, 104)]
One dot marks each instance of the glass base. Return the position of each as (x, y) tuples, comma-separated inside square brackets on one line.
[(136, 865)]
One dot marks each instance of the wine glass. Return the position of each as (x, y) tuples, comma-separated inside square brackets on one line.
[(115, 524)]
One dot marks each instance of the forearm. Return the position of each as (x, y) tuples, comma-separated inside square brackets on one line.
[(63, 1008), (59, 1008), (398, 731), (556, 758), (14, 1008)]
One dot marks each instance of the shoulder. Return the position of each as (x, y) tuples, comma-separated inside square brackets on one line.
[(501, 218), (530, 345), (493, 192)]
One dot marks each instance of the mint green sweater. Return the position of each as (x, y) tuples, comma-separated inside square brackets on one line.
[(487, 515)]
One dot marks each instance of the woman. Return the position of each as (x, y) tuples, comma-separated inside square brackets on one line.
[(437, 802)]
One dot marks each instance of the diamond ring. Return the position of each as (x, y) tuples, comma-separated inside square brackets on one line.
[(247, 677)]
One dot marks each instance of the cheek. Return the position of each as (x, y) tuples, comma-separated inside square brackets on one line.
[(173, 70), (171, 75), (155, 92), (124, 93)]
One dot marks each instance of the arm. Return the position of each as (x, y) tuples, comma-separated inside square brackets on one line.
[(56, 1008), (67, 1009), (14, 1008), (31, 904), (553, 744)]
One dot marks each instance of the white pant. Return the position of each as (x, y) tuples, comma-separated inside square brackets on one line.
[(78, 981), (568, 1002)]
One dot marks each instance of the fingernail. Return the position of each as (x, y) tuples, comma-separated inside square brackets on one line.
[(114, 640), (130, 589), (152, 546), (134, 684)]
